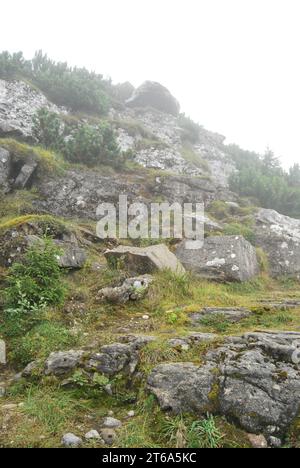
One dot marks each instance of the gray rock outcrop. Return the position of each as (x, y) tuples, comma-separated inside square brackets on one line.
[(279, 236), (19, 102), (62, 362), (253, 380), (222, 258), (118, 357)]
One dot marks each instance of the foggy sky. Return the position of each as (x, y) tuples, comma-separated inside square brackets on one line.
[(233, 64)]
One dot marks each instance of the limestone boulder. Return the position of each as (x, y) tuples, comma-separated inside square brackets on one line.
[(279, 237), (152, 94), (222, 258)]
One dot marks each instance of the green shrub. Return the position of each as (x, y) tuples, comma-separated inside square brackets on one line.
[(236, 229), (32, 286), (40, 341), (48, 129), (93, 145), (79, 142)]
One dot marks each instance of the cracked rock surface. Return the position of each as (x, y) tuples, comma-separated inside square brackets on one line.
[(253, 380)]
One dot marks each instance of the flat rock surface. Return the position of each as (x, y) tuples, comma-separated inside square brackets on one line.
[(253, 380)]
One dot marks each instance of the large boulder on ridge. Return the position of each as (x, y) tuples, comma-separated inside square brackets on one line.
[(253, 380), (152, 94), (222, 258), (139, 261), (279, 236)]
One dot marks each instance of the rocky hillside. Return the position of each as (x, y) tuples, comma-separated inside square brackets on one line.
[(136, 343)]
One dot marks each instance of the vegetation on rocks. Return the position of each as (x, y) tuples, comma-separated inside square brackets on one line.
[(72, 87), (78, 142), (263, 179), (32, 286)]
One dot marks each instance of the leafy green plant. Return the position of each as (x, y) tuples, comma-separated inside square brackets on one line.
[(31, 287)]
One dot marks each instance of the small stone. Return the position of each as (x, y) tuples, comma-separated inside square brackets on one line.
[(111, 423), (145, 317), (108, 436), (275, 442), (131, 414), (71, 440), (257, 441), (93, 434)]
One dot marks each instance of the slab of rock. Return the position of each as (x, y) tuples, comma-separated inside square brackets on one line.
[(25, 175), (139, 261), (279, 237), (253, 380), (5, 166), (282, 305), (231, 314), (132, 289), (152, 94), (222, 258), (62, 362)]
